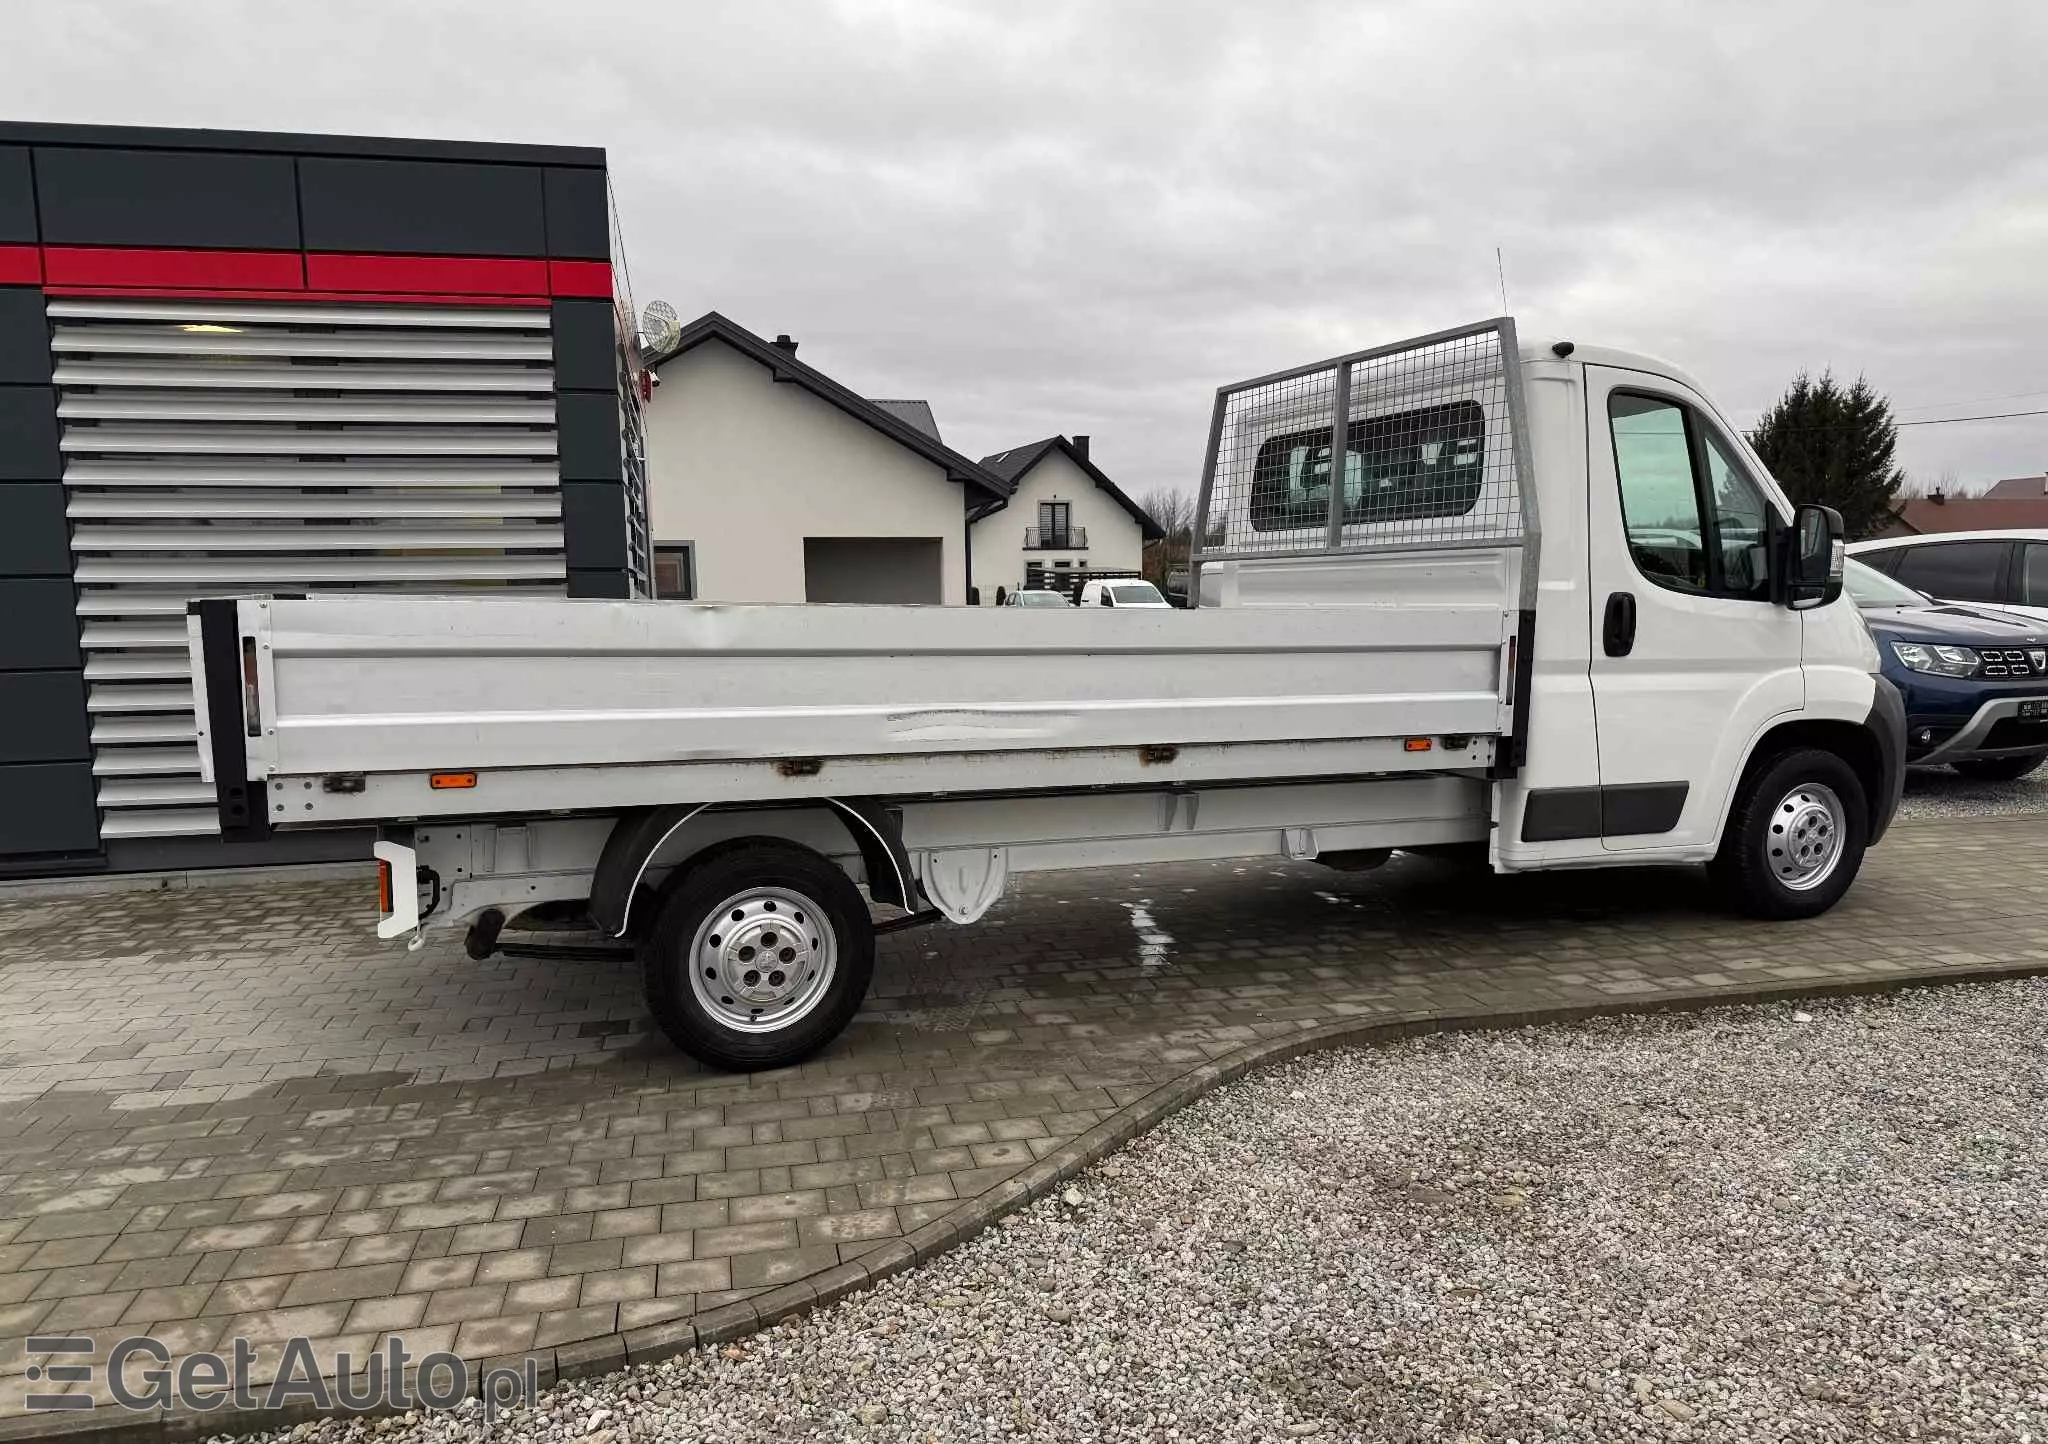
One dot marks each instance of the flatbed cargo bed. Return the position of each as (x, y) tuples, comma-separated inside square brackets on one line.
[(358, 702)]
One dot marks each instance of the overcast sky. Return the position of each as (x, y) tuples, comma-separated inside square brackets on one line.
[(1082, 217)]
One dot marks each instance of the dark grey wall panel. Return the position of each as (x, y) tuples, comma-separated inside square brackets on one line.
[(42, 717), (49, 808), (422, 208), (166, 198), (129, 137), (35, 541), (599, 584), (17, 198), (41, 624), (24, 337), (586, 346), (594, 524), (579, 215), (587, 431), (28, 434)]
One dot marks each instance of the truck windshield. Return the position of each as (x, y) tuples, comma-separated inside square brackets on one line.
[(1128, 592), (1422, 463)]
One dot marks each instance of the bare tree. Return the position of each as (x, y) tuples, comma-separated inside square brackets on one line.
[(1174, 510), (1918, 486)]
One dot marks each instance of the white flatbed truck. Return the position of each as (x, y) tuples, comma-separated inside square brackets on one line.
[(1548, 606)]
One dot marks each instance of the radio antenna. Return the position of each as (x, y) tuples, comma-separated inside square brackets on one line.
[(1501, 267)]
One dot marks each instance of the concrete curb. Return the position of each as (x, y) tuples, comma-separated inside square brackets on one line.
[(608, 1353)]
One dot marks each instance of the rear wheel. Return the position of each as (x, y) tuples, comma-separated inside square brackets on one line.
[(759, 956), (2000, 769), (1795, 836)]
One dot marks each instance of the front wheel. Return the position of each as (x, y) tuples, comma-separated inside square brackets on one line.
[(1795, 836), (759, 956), (2000, 769)]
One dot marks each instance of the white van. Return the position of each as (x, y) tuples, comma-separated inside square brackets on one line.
[(1124, 592)]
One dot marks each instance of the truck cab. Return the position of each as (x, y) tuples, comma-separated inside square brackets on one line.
[(1685, 624), (1688, 650)]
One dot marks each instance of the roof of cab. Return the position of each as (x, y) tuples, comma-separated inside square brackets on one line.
[(1581, 353)]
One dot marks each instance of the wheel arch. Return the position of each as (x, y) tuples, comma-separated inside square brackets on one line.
[(1856, 743), (644, 834)]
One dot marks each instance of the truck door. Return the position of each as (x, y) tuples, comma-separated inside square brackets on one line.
[(1689, 656)]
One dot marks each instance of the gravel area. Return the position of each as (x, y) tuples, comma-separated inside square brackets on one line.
[(1939, 792), (1759, 1223)]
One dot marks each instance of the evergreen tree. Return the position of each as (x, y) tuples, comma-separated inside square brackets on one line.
[(1834, 445)]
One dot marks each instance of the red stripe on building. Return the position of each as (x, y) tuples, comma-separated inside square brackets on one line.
[(441, 275), (580, 278), (172, 270), (21, 266), (158, 293)]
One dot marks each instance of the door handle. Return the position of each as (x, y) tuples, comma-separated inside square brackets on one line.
[(1618, 632)]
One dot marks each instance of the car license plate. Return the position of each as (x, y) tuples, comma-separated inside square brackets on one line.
[(2036, 709)]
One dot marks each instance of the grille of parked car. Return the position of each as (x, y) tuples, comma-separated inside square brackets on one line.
[(2008, 662)]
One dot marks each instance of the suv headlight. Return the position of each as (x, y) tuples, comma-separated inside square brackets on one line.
[(1941, 661)]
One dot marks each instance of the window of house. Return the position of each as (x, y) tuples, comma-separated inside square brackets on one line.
[(675, 571), (1055, 522), (1425, 463), (1958, 571), (1695, 520)]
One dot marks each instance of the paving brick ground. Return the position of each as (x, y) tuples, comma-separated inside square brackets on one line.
[(232, 1112)]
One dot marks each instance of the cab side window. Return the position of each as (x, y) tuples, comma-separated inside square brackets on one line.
[(1660, 506), (1957, 571), (1742, 523), (1696, 522)]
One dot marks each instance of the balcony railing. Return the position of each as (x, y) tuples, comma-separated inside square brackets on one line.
[(1055, 538)]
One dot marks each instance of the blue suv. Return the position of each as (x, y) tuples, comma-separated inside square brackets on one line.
[(1974, 678)]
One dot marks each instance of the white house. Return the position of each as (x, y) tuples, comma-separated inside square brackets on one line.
[(770, 482), (1063, 517)]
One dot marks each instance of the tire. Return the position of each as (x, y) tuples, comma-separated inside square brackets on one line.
[(758, 902), (2000, 769), (1795, 837)]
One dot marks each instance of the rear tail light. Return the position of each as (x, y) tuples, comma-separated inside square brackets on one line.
[(383, 887)]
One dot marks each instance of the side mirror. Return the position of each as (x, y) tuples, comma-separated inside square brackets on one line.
[(1813, 557)]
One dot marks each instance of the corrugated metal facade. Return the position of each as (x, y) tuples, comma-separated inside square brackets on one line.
[(216, 448)]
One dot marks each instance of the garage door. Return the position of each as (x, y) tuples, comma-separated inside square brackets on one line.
[(873, 569)]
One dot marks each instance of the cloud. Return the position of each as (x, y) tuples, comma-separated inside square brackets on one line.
[(1084, 216)]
